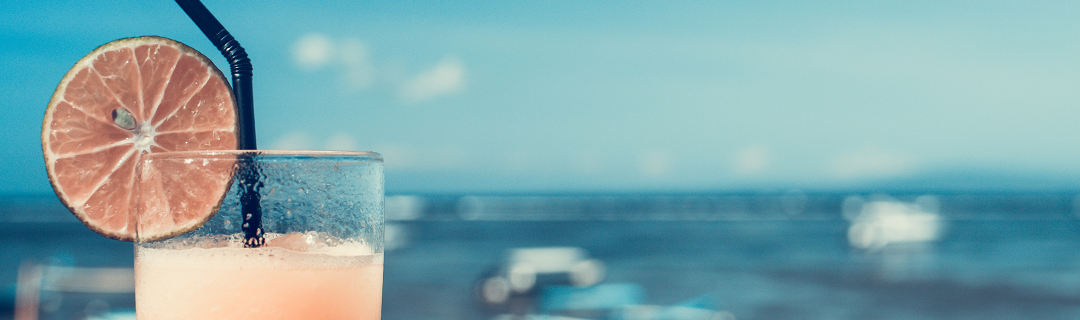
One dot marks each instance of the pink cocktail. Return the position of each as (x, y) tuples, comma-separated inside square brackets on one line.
[(321, 257)]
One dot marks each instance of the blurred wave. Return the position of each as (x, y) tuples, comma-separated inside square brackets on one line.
[(785, 205)]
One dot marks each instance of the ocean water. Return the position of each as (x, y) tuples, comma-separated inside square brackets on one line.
[(782, 255)]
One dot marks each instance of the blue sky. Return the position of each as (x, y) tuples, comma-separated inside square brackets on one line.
[(611, 96)]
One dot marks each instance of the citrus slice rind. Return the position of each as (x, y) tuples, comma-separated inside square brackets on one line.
[(126, 99)]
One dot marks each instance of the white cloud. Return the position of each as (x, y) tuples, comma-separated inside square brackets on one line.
[(351, 58), (341, 141), (313, 51), (294, 140), (654, 164), (872, 162), (445, 78), (752, 160)]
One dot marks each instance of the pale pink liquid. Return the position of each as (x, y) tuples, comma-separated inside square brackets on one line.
[(249, 284)]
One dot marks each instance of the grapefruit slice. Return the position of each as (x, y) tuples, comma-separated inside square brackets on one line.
[(120, 102)]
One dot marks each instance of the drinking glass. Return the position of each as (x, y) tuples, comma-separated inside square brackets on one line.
[(298, 235)]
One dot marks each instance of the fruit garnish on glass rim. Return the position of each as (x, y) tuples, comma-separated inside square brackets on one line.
[(123, 100)]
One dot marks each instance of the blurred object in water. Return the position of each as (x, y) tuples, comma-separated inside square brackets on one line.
[(883, 221), (403, 207), (706, 301), (526, 269), (529, 266), (591, 301), (396, 236), (63, 292)]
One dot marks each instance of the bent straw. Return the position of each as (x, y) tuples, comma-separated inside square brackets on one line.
[(240, 65)]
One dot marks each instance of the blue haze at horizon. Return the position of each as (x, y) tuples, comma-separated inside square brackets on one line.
[(623, 96)]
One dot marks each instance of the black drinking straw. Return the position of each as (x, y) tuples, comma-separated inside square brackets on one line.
[(240, 66)]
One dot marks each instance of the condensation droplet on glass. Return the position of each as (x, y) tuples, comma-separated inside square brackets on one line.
[(288, 213), (247, 216), (301, 190), (245, 225)]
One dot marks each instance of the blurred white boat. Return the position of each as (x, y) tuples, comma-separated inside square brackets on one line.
[(885, 221), (526, 269)]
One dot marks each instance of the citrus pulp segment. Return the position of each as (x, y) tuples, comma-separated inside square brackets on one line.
[(123, 100)]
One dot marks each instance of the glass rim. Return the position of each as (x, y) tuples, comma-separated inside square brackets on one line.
[(265, 152)]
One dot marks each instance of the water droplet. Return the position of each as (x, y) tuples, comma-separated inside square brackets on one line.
[(245, 225), (247, 216)]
